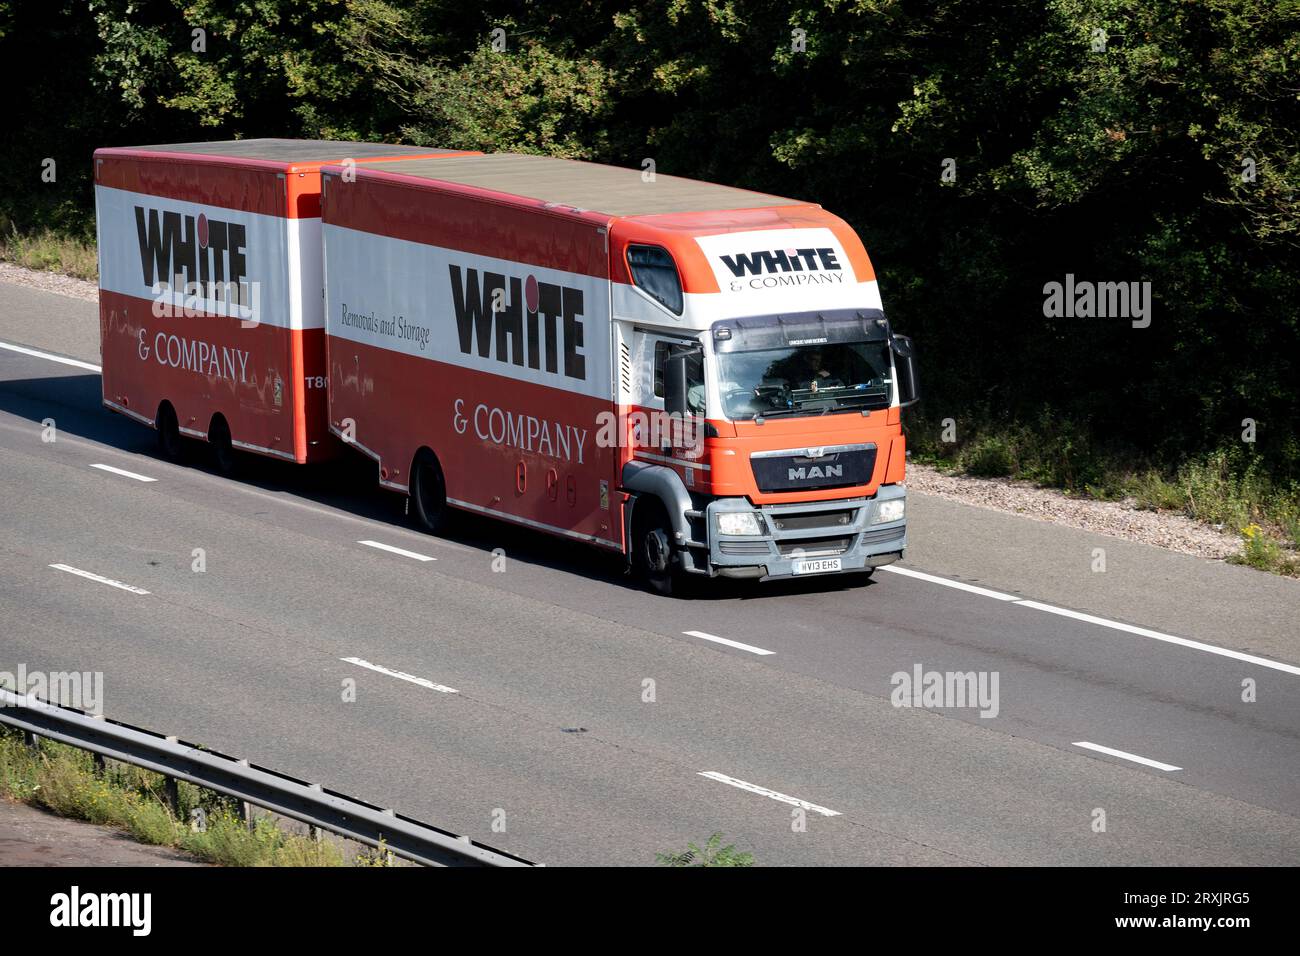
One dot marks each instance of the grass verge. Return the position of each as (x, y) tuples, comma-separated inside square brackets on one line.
[(47, 250), (1229, 488), (64, 780)]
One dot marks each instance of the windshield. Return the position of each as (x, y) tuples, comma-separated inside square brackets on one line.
[(805, 380)]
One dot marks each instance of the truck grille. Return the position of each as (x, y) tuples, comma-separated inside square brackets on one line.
[(815, 547), (744, 547), (795, 471), (811, 520)]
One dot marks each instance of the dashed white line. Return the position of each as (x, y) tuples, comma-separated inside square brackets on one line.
[(1099, 621), (402, 551), (440, 688), (772, 794), (37, 353), (124, 473), (729, 643), (99, 577), (1123, 755)]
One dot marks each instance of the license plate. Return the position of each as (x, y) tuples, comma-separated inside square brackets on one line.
[(815, 565)]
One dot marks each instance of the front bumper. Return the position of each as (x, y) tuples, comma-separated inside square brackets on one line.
[(825, 529)]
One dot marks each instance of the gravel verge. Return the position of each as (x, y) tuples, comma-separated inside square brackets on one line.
[(1120, 519), (56, 282)]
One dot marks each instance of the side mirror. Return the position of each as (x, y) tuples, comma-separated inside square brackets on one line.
[(909, 385), (676, 383)]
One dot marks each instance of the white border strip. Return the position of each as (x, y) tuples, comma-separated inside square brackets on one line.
[(764, 792), (1123, 755), (722, 640), (36, 353), (123, 472), (1167, 638), (1099, 621), (440, 688), (947, 582), (395, 550), (100, 578)]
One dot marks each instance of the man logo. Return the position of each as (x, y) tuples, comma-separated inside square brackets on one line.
[(816, 471)]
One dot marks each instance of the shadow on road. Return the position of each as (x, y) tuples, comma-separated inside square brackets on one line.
[(350, 484)]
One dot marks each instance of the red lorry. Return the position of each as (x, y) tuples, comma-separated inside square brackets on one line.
[(697, 377)]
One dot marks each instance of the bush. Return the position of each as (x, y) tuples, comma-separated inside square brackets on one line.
[(990, 457)]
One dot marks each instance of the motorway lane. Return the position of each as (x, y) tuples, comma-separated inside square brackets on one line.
[(293, 586)]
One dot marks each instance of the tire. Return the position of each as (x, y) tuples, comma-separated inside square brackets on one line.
[(223, 448), (429, 493), (652, 548), (170, 443)]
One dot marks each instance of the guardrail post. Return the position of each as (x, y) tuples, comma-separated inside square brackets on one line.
[(172, 789), (101, 765), (31, 740), (246, 809), (313, 831)]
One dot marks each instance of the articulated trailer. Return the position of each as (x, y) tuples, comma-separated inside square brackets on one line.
[(697, 377)]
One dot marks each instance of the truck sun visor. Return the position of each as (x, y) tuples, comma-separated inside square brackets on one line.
[(655, 273), (759, 332)]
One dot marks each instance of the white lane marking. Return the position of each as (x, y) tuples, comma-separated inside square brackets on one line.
[(722, 640), (959, 585), (440, 688), (1100, 621), (1167, 638), (100, 578), (1145, 761), (124, 473), (763, 791), (36, 353), (402, 551)]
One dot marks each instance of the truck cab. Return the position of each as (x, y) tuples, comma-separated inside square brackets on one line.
[(764, 413)]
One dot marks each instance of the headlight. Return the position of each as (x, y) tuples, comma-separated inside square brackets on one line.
[(738, 522), (887, 511)]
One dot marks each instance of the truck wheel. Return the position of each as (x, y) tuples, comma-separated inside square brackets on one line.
[(652, 540), (223, 449), (429, 493), (169, 433)]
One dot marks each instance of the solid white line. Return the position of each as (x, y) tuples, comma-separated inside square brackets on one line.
[(1100, 621), (442, 689), (763, 791), (959, 585), (101, 579), (722, 640), (36, 353), (1167, 638), (402, 551), (1145, 761), (124, 473)]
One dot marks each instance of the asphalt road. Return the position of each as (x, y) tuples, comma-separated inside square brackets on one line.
[(533, 702)]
